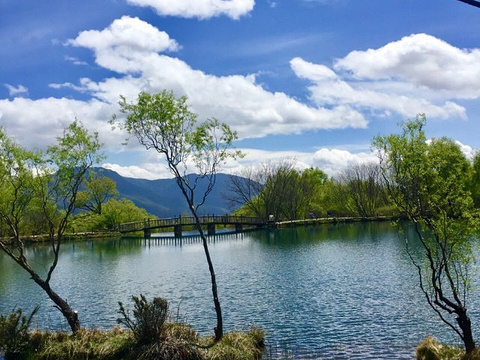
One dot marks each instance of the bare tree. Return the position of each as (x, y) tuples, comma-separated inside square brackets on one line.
[(363, 189), (275, 188)]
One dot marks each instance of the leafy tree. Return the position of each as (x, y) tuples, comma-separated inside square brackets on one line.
[(312, 186), (32, 180), (475, 182), (165, 124), (429, 181), (114, 213), (99, 189)]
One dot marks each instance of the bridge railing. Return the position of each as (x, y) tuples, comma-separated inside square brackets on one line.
[(188, 220)]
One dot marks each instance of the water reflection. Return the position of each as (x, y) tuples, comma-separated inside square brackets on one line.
[(336, 290)]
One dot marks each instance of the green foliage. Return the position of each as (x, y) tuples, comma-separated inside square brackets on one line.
[(278, 189), (99, 189), (41, 188), (18, 183), (148, 319), (475, 181), (165, 123), (429, 182), (14, 337), (114, 212)]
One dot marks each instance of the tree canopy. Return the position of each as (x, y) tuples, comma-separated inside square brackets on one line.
[(429, 181)]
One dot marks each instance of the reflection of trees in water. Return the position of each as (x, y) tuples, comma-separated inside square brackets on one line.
[(41, 254), (358, 231)]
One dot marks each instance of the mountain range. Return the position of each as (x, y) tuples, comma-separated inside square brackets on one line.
[(163, 197)]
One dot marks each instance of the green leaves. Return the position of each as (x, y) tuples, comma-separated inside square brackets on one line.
[(430, 181), (165, 123)]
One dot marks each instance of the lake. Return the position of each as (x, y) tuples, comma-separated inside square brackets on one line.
[(335, 291)]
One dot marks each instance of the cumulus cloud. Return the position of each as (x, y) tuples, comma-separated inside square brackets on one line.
[(201, 9), (237, 100), (13, 91), (381, 97), (421, 59), (416, 74), (36, 123), (114, 45), (332, 161)]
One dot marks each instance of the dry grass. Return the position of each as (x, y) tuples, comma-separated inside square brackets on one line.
[(431, 349), (85, 344), (178, 342)]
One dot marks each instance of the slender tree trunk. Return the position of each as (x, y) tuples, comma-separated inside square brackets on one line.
[(70, 315), (465, 325), (218, 310)]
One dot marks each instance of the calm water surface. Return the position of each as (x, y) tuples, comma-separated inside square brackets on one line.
[(345, 291)]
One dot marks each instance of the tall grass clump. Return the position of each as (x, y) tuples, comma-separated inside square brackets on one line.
[(84, 344), (239, 346), (431, 349)]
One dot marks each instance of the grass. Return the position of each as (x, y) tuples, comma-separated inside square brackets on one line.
[(431, 349), (178, 342)]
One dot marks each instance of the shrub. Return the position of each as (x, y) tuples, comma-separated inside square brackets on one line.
[(148, 320), (14, 335)]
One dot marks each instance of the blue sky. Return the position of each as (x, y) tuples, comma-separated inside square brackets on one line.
[(313, 80)]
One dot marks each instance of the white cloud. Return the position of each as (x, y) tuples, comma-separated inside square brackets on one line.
[(13, 91), (334, 161), (237, 100), (421, 59), (467, 150), (138, 172), (331, 88), (36, 123), (75, 61), (201, 9), (114, 45)]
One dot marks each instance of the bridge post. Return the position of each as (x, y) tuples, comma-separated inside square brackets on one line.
[(147, 233), (211, 228), (238, 227), (177, 230)]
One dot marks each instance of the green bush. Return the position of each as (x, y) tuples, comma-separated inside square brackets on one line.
[(14, 335), (147, 324)]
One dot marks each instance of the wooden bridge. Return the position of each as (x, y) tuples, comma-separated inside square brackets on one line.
[(177, 223)]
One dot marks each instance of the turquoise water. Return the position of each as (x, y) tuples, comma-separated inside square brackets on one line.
[(345, 291)]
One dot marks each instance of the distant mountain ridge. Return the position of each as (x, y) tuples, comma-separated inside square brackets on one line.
[(163, 198)]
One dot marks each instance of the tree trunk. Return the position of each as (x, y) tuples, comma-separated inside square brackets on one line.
[(465, 325), (70, 315), (218, 310)]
